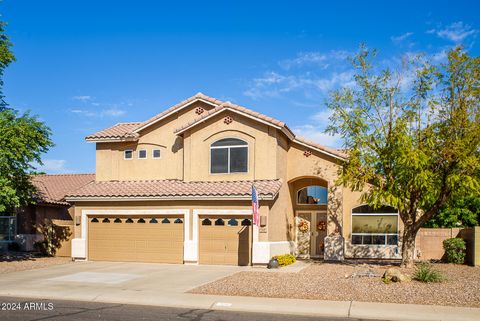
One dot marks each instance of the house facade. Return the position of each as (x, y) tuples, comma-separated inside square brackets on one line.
[(177, 189)]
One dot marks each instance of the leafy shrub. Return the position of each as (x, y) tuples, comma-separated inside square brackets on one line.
[(14, 247), (285, 259), (455, 250), (53, 236), (426, 273)]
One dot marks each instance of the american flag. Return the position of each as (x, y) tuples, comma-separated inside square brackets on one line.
[(256, 215)]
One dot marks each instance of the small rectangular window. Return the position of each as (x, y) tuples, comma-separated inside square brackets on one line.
[(142, 153), (156, 153), (128, 154)]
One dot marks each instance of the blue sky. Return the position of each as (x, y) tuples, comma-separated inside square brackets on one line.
[(86, 65)]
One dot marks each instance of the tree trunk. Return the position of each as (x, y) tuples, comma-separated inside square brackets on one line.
[(408, 246)]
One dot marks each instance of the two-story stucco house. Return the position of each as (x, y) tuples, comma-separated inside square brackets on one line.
[(177, 189)]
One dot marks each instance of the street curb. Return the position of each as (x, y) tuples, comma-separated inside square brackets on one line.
[(316, 308)]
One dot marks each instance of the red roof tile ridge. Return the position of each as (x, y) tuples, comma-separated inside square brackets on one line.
[(63, 174)]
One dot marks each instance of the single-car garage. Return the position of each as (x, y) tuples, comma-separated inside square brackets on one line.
[(153, 238), (225, 240)]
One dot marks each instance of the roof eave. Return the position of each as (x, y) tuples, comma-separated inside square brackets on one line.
[(111, 140), (319, 150), (166, 198)]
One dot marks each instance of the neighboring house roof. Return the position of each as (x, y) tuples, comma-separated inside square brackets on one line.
[(130, 131), (51, 189), (174, 190)]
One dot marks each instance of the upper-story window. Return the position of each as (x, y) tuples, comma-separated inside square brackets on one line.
[(156, 153), (142, 153), (128, 154), (312, 195), (229, 155)]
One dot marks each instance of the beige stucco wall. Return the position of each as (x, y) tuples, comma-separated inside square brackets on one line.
[(260, 137), (110, 162)]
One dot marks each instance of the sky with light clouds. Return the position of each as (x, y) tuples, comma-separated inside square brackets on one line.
[(86, 65)]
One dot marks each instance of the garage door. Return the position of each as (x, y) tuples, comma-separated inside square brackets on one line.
[(138, 239), (225, 240)]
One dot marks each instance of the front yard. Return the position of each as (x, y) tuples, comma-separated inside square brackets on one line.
[(20, 261), (329, 281)]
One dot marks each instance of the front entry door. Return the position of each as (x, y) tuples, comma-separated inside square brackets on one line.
[(311, 230)]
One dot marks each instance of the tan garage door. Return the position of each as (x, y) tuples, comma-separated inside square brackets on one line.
[(225, 240), (138, 239)]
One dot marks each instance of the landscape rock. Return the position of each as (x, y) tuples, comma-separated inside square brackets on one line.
[(395, 275)]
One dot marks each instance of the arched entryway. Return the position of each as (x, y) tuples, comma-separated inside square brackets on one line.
[(309, 197)]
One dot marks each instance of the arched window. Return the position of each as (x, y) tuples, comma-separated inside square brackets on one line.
[(312, 195), (229, 155), (374, 226)]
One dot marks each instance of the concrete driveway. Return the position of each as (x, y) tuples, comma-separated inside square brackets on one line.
[(143, 283)]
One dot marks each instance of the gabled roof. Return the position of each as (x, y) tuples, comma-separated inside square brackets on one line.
[(239, 110), (175, 108), (130, 131), (51, 189), (174, 190)]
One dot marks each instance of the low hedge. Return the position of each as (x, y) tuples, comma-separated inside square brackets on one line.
[(285, 259)]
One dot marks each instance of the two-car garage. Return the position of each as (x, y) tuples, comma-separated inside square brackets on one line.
[(222, 240)]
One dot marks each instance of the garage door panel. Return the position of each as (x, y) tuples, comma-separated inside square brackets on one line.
[(227, 244), (137, 241)]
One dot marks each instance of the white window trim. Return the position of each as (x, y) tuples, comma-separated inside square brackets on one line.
[(153, 151), (146, 154), (301, 204), (228, 157), (373, 214), (125, 152)]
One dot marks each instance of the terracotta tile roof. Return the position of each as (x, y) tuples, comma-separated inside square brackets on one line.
[(125, 131), (118, 131), (235, 108), (51, 189), (175, 189), (177, 106), (333, 151)]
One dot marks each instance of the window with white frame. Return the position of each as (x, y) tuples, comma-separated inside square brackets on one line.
[(142, 154), (156, 153), (128, 154), (374, 226), (229, 155)]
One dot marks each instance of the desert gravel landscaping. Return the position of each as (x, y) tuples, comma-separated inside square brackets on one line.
[(18, 261), (326, 281)]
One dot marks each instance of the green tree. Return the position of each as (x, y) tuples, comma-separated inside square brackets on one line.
[(23, 138), (413, 135), (6, 58), (459, 212)]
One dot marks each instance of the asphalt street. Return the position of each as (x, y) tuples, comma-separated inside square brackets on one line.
[(23, 309)]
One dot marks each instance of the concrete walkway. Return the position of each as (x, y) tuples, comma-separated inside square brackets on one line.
[(165, 285)]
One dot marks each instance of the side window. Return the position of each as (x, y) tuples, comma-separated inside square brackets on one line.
[(142, 154), (156, 153), (128, 154)]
